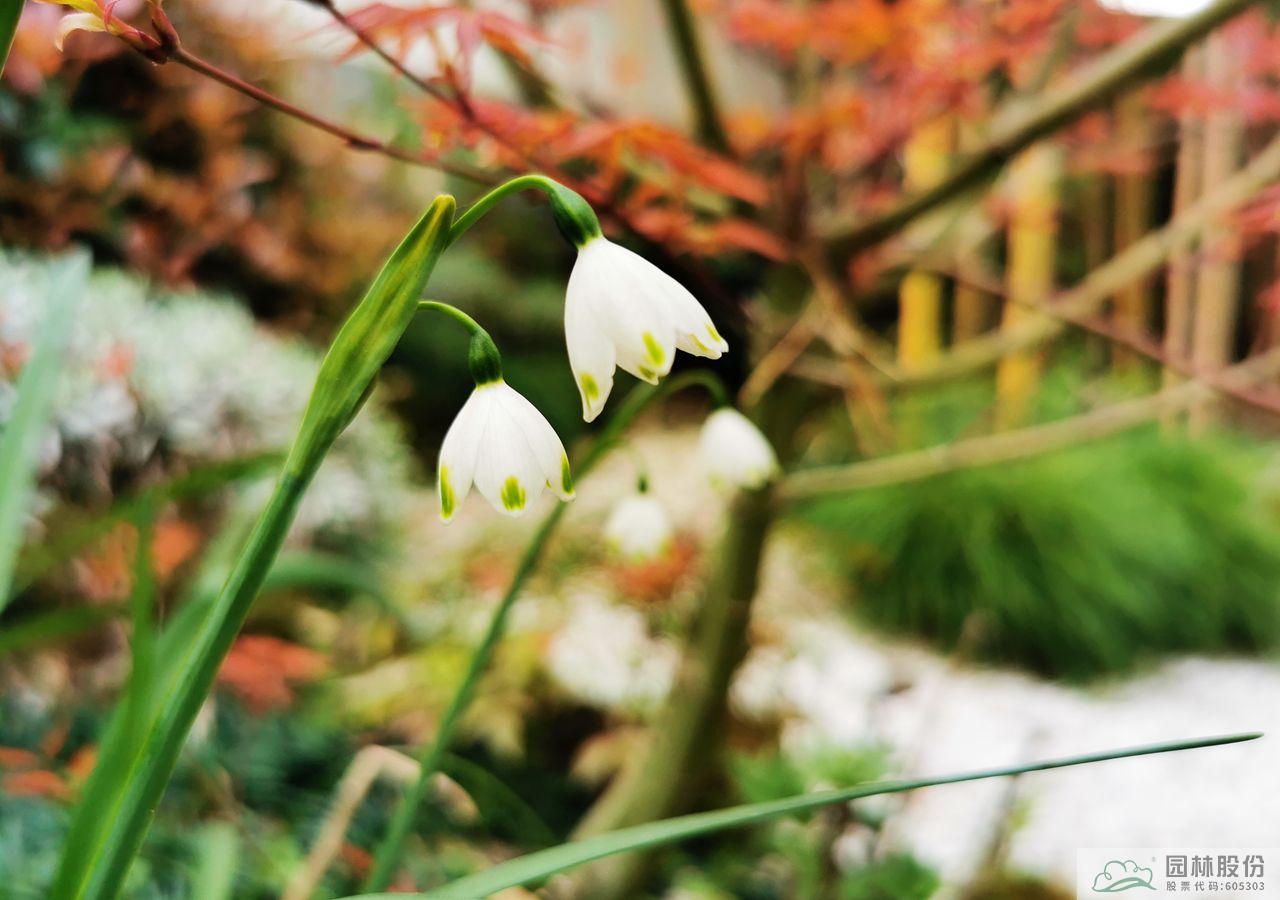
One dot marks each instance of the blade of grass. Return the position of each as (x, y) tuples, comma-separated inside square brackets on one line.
[(142, 646), (53, 625), (10, 12), (215, 875), (20, 443), (498, 802), (97, 868), (545, 863)]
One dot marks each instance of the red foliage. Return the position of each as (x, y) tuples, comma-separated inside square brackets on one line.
[(653, 581), (261, 670)]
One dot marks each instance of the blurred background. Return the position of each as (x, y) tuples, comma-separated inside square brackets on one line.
[(1032, 423)]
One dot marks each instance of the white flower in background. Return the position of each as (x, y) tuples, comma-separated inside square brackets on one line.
[(146, 366), (502, 444), (733, 452), (604, 655), (638, 528), (621, 310)]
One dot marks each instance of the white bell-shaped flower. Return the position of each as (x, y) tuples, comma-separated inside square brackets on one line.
[(500, 443), (733, 452), (621, 310), (638, 528)]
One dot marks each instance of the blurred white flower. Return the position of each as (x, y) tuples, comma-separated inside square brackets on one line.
[(146, 366), (621, 310), (501, 443), (638, 528), (604, 655), (733, 452), (103, 409)]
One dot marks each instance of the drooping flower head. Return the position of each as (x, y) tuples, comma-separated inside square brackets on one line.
[(638, 528), (621, 311), (733, 452), (500, 443)]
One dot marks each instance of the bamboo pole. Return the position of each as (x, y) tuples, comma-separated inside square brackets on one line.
[(1180, 285), (925, 162), (1134, 309), (1033, 237), (1089, 295), (1217, 306)]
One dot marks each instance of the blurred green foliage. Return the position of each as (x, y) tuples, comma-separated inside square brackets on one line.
[(1078, 564)]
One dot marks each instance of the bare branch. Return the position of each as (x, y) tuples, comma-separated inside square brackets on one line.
[(1026, 442)]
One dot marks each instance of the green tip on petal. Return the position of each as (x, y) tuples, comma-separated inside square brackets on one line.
[(566, 477), (715, 335), (654, 349), (448, 502), (513, 495), (590, 389), (647, 373)]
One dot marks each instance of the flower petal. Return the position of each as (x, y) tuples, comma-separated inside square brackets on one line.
[(506, 473), (81, 21), (543, 442), (457, 462), (591, 353), (631, 311), (691, 326)]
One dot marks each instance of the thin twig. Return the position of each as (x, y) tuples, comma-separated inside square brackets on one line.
[(351, 138), (367, 766), (370, 43), (1026, 442)]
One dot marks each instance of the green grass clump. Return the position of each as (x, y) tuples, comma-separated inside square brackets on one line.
[(1075, 565)]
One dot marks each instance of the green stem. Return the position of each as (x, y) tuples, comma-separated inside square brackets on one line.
[(477, 210), (684, 33), (392, 846), (473, 327), (574, 215)]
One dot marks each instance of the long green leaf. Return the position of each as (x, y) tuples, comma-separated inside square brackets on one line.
[(75, 537), (10, 11), (545, 863), (20, 443), (97, 869)]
